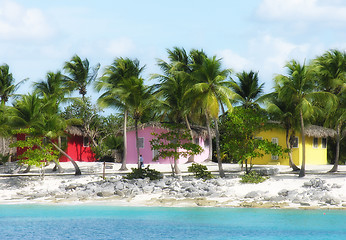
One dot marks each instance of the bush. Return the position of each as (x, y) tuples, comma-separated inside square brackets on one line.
[(143, 173), (200, 171), (253, 177)]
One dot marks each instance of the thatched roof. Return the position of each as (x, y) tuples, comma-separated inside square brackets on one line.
[(318, 131), (197, 130), (74, 130)]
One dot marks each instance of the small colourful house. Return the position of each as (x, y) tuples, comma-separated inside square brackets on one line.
[(145, 136), (315, 146), (75, 144)]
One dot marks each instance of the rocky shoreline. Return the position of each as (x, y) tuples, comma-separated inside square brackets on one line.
[(181, 191)]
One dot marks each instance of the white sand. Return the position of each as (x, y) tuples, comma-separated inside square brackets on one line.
[(50, 189)]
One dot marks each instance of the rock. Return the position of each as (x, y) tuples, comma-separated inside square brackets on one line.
[(147, 189), (105, 194), (73, 186), (283, 193), (119, 186), (305, 204), (252, 194), (336, 185), (267, 171), (120, 193)]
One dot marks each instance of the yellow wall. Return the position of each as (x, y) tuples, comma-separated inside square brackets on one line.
[(314, 156)]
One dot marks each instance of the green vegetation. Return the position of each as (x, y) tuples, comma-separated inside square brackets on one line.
[(200, 171), (193, 88), (142, 173), (252, 177)]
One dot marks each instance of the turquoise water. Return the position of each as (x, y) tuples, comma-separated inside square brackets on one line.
[(108, 222)]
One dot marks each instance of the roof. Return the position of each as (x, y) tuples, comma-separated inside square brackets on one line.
[(74, 130), (318, 131)]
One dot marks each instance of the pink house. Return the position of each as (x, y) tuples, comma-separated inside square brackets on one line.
[(145, 136)]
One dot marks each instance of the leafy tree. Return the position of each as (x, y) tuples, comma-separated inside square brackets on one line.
[(298, 85), (114, 81), (7, 86), (247, 89), (330, 71), (38, 152), (174, 144), (237, 133), (80, 74)]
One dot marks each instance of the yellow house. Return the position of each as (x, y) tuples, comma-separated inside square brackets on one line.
[(315, 146)]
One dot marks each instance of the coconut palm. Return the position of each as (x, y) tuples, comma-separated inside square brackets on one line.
[(53, 86), (247, 90), (298, 87), (210, 91), (284, 112), (121, 71), (331, 77), (7, 86), (80, 74), (30, 111)]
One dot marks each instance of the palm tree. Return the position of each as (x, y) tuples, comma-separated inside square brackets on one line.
[(298, 87), (7, 86), (80, 74), (53, 86), (121, 71), (210, 91), (247, 90), (284, 112), (30, 111), (331, 77)]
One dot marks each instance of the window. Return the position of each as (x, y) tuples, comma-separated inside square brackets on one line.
[(295, 142), (324, 142), (85, 142), (315, 142), (206, 142), (259, 138), (196, 140), (63, 142), (275, 141), (140, 143)]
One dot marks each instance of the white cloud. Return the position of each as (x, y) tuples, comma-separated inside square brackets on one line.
[(120, 47), (233, 60), (302, 10), (17, 22)]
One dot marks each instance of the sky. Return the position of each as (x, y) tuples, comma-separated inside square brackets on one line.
[(39, 36)]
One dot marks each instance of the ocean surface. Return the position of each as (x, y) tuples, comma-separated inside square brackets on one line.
[(109, 222)]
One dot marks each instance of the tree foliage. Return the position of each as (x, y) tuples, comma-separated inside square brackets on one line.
[(237, 134)]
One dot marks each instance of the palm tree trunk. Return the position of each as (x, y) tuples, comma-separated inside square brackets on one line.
[(210, 157), (27, 169), (289, 146), (77, 170), (337, 152), (123, 162), (218, 152), (137, 145), (58, 166), (302, 169), (192, 157)]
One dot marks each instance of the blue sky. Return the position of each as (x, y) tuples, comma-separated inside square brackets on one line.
[(262, 35)]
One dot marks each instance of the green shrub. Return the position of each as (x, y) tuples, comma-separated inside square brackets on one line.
[(200, 171), (143, 173), (253, 177)]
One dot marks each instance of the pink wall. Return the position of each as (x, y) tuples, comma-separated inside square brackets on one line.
[(147, 152)]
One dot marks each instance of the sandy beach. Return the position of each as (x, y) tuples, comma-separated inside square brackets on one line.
[(318, 189)]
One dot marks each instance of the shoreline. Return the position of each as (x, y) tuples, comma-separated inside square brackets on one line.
[(284, 190)]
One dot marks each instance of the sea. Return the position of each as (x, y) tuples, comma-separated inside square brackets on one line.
[(111, 222)]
